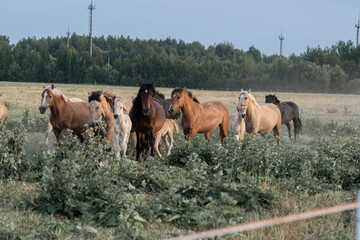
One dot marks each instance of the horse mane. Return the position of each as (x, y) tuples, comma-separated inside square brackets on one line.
[(250, 96), (156, 96), (182, 90), (109, 97), (56, 92), (275, 98)]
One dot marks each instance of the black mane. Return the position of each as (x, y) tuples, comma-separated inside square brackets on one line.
[(95, 95), (272, 98)]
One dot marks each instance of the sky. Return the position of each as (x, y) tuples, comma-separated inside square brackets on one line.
[(243, 23)]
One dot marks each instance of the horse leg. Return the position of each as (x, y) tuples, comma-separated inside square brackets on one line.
[(116, 145), (132, 143), (171, 143), (138, 145), (156, 144), (123, 144), (207, 135), (60, 136), (49, 129), (295, 128), (289, 129), (152, 142)]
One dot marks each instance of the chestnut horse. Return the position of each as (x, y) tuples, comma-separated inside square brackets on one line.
[(289, 111), (259, 118), (64, 113), (148, 117), (199, 117), (101, 107), (3, 113)]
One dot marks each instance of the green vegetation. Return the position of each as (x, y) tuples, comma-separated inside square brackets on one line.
[(175, 63), (81, 190)]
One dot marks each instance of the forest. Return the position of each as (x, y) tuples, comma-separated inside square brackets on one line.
[(170, 62)]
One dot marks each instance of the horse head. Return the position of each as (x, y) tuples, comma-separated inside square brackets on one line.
[(47, 98), (146, 93), (177, 99), (272, 99), (118, 107), (244, 99), (95, 113)]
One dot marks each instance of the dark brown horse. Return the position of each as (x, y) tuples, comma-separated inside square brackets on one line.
[(289, 111), (65, 114), (148, 117), (199, 117)]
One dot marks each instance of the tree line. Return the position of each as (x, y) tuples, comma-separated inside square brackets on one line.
[(125, 61)]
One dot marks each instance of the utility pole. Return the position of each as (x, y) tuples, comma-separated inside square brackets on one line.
[(281, 38), (357, 31), (68, 38), (91, 8)]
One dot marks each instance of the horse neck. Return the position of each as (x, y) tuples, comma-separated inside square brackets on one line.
[(189, 106), (108, 114), (252, 110), (58, 106), (121, 117)]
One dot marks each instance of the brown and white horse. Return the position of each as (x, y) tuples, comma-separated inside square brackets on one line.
[(64, 113), (199, 117)]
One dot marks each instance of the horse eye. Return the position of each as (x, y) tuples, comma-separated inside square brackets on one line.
[(178, 97), (97, 108), (245, 98), (50, 96)]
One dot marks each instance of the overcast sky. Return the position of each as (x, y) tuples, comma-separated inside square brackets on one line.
[(240, 22)]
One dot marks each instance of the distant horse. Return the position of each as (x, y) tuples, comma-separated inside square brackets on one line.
[(259, 118), (166, 131), (148, 117), (199, 117), (289, 111), (101, 107), (50, 127), (237, 126), (64, 113), (3, 113), (122, 127)]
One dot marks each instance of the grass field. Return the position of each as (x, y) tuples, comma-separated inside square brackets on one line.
[(28, 224)]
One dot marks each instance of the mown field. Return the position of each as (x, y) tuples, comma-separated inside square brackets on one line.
[(82, 191)]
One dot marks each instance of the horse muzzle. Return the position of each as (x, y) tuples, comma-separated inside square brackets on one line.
[(42, 109), (116, 115), (92, 124), (243, 115), (146, 111)]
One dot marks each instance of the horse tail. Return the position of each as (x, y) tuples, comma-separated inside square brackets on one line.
[(175, 126)]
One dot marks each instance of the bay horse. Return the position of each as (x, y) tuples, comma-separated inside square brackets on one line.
[(101, 107), (167, 131), (237, 126), (122, 127), (289, 111), (50, 127), (199, 117), (148, 117), (3, 113), (259, 118), (64, 113)]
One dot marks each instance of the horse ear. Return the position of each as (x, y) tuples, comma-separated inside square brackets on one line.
[(52, 86), (153, 83), (241, 90), (89, 94), (249, 90), (43, 85), (140, 84)]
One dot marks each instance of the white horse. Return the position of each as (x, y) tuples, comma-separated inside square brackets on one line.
[(237, 126), (166, 131), (122, 127), (50, 127)]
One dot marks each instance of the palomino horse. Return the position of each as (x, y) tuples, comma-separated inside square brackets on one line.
[(166, 131), (122, 127), (197, 117), (3, 113), (237, 126), (148, 117), (50, 127), (101, 107), (289, 111), (259, 118), (64, 113)]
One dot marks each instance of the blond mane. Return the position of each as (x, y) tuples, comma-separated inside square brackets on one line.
[(56, 92), (250, 96)]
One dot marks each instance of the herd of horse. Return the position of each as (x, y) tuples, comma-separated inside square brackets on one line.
[(149, 117)]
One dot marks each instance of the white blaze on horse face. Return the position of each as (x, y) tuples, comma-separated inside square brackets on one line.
[(44, 98)]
